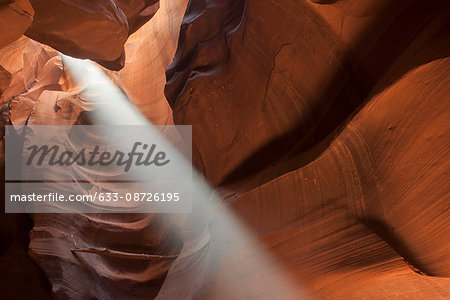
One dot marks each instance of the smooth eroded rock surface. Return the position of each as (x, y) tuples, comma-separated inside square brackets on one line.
[(40, 91), (322, 125), (325, 125), (149, 52), (15, 17), (89, 29)]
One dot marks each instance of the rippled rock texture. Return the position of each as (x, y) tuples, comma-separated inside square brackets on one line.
[(325, 122), (86, 29), (149, 52), (38, 90), (323, 125)]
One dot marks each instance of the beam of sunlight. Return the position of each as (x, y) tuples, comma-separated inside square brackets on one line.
[(213, 234)]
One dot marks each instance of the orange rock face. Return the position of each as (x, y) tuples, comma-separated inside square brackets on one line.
[(15, 18), (353, 223), (38, 90), (69, 27), (322, 125), (331, 132), (84, 29), (149, 52)]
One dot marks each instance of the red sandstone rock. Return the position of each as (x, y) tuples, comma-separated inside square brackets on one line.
[(295, 66), (149, 52), (356, 222), (43, 93), (138, 12), (329, 124), (15, 17), (89, 29), (40, 92), (324, 125), (54, 236)]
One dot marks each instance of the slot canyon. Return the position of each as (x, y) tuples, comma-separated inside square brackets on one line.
[(320, 143)]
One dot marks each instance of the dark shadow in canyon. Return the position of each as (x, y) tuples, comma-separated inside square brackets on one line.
[(411, 26)]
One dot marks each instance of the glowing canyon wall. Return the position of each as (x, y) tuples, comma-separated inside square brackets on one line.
[(322, 125)]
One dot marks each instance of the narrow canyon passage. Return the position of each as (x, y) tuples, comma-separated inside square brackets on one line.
[(317, 147)]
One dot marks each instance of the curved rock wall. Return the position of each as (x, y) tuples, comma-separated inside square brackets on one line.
[(15, 18), (86, 29), (149, 52), (325, 125), (322, 125)]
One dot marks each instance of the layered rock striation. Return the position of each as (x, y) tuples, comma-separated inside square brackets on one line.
[(322, 125)]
